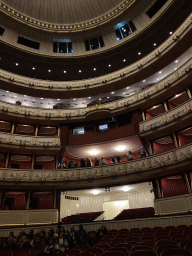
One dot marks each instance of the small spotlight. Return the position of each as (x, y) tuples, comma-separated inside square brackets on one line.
[(176, 61), (112, 92), (64, 71), (144, 81), (33, 68), (109, 65), (79, 71), (41, 98), (170, 32), (17, 64), (100, 99), (124, 60), (154, 44), (57, 99), (89, 98), (94, 69), (127, 88), (139, 53), (160, 72), (49, 70), (74, 99)]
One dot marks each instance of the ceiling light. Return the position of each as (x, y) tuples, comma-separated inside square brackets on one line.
[(176, 61), (7, 91), (15, 96), (171, 33), (127, 87), (77, 205), (57, 99), (144, 81), (112, 92), (124, 60), (33, 68), (79, 71), (74, 99), (93, 152), (120, 148), (160, 72), (94, 69), (41, 98), (100, 99), (89, 98), (154, 44), (157, 79), (124, 93), (17, 64), (107, 97), (175, 68), (139, 53), (25, 95), (49, 70), (95, 192), (64, 71), (109, 65), (126, 188)]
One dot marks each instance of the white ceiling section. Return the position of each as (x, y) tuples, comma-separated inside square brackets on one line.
[(63, 11)]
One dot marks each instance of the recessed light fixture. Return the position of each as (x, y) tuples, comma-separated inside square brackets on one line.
[(15, 96), (79, 71), (175, 68), (127, 88), (41, 98), (57, 99), (7, 91), (93, 152), (84, 101), (33, 68), (157, 79), (176, 61), (64, 71), (95, 192), (139, 53), (100, 99), (107, 97), (94, 69), (112, 92), (74, 99), (89, 98), (160, 72), (144, 81), (120, 148), (124, 60), (25, 95), (17, 64), (170, 32), (49, 70), (126, 188), (124, 93), (109, 65), (154, 44)]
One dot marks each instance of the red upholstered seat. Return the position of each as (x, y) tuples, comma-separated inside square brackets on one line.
[(6, 252), (141, 248), (86, 254), (105, 247), (83, 248), (119, 249), (164, 247), (21, 252), (176, 251), (143, 253), (71, 252), (185, 242), (125, 245), (113, 254), (96, 251), (189, 247)]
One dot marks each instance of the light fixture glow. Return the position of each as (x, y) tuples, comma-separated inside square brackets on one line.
[(144, 81), (33, 68), (95, 192), (126, 188), (64, 71), (160, 72), (93, 152), (154, 44), (139, 53), (120, 148), (17, 64), (176, 61), (109, 65), (112, 92), (124, 60), (79, 71), (49, 70), (94, 69)]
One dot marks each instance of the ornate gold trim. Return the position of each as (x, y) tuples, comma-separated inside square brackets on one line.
[(51, 27)]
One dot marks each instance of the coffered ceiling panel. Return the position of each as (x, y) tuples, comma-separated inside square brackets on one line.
[(63, 11)]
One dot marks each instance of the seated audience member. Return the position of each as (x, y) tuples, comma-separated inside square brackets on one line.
[(101, 232), (81, 236), (82, 163), (103, 162), (114, 160), (63, 244), (96, 161), (129, 156), (143, 153), (38, 246), (118, 159), (50, 248), (72, 238), (24, 243), (71, 164), (11, 244)]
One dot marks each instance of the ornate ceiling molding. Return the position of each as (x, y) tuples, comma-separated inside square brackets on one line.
[(63, 28)]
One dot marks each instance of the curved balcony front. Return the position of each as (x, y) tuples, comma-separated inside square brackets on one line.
[(166, 163)]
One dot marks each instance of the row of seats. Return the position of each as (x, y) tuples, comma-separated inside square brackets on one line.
[(136, 213), (82, 217)]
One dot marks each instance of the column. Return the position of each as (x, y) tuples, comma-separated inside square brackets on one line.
[(7, 160), (55, 199), (158, 188), (28, 200), (187, 182), (36, 130), (189, 93), (143, 115), (59, 131), (165, 106), (33, 162), (13, 128), (175, 140)]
